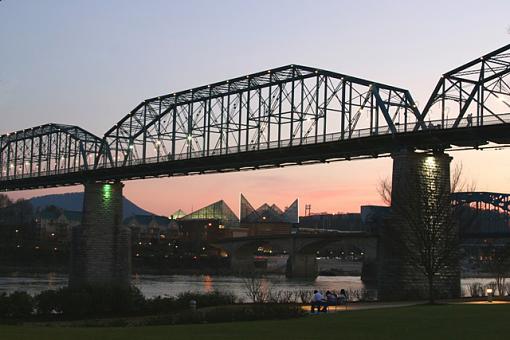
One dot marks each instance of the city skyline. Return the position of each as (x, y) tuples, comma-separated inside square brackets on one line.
[(106, 79)]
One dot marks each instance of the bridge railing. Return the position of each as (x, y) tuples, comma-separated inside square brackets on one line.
[(333, 137)]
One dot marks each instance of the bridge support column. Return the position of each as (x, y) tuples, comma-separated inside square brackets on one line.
[(420, 182), (101, 246), (242, 263), (302, 266), (369, 272)]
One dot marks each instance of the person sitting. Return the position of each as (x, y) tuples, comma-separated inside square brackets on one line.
[(342, 298), (331, 298), (318, 302)]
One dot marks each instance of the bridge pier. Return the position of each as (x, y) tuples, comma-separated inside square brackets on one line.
[(302, 266), (242, 263), (100, 246), (418, 182)]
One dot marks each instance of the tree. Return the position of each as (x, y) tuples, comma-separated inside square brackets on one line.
[(499, 264), (423, 230)]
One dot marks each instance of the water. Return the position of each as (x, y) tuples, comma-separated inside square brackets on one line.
[(172, 285)]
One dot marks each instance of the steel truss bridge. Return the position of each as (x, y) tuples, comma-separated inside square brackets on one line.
[(284, 116)]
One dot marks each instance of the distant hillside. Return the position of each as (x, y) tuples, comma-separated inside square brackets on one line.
[(74, 202)]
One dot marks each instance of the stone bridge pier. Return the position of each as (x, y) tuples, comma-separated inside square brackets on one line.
[(420, 182), (100, 246)]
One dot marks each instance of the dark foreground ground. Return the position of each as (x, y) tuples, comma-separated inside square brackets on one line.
[(478, 321)]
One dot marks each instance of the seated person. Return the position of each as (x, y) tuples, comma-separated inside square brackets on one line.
[(318, 301), (342, 297), (331, 298)]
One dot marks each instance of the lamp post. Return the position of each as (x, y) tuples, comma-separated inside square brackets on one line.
[(489, 292)]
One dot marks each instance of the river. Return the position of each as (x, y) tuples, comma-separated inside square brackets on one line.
[(172, 285)]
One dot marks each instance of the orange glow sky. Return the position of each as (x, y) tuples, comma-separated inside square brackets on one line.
[(87, 64)]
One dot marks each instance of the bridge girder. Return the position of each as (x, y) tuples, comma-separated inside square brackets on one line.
[(288, 115), (474, 94), (290, 105), (46, 150)]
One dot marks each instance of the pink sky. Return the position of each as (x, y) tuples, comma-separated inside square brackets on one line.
[(333, 187)]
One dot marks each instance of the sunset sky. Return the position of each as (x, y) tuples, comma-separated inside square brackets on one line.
[(89, 63)]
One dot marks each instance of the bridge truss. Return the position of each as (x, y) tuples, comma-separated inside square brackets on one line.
[(491, 212), (283, 116), (288, 106), (474, 94)]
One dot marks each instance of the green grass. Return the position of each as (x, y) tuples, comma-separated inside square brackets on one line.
[(419, 322)]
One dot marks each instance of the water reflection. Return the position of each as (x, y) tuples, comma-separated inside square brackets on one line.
[(172, 285)]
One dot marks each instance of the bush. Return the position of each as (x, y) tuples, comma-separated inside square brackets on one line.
[(16, 305), (48, 303), (476, 289), (161, 305), (99, 301), (103, 301)]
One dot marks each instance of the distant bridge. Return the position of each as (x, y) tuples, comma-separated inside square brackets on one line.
[(301, 248)]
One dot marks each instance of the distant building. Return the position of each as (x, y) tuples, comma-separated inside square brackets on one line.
[(344, 222), (146, 228), (57, 224), (268, 213), (178, 215), (268, 219), (209, 224)]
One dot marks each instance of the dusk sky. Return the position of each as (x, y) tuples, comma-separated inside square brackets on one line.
[(89, 63)]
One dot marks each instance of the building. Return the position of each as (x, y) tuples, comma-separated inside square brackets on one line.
[(57, 224), (150, 228), (268, 219)]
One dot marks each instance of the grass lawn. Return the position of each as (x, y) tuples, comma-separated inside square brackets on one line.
[(418, 322)]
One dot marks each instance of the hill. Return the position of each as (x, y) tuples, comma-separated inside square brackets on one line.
[(74, 202)]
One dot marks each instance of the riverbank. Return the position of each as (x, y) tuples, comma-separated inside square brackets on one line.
[(416, 322)]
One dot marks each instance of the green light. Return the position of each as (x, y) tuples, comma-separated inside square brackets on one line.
[(107, 191)]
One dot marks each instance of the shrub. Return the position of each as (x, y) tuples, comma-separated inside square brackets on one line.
[(96, 301), (160, 305), (214, 298), (305, 295), (476, 289), (47, 303), (16, 305)]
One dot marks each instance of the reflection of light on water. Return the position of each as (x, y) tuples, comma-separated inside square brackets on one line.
[(208, 284), (172, 285), (51, 280)]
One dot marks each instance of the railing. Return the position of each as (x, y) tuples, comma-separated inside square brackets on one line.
[(309, 140)]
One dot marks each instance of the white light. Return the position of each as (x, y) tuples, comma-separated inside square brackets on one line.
[(190, 137)]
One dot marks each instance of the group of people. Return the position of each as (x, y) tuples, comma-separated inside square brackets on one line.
[(321, 302)]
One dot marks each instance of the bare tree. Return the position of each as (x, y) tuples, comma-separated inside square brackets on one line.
[(499, 265), (458, 184), (424, 231), (252, 285)]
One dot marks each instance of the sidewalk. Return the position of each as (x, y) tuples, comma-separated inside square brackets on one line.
[(368, 305)]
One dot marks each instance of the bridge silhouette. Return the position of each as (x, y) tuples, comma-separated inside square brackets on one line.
[(290, 115), (284, 116)]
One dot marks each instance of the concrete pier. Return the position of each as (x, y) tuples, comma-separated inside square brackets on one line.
[(302, 266), (420, 184), (101, 246)]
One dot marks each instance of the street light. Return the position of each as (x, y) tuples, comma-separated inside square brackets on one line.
[(489, 292)]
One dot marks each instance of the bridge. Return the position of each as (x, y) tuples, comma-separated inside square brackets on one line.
[(301, 249), (290, 115)]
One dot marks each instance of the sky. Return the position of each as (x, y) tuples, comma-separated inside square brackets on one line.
[(89, 63)]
